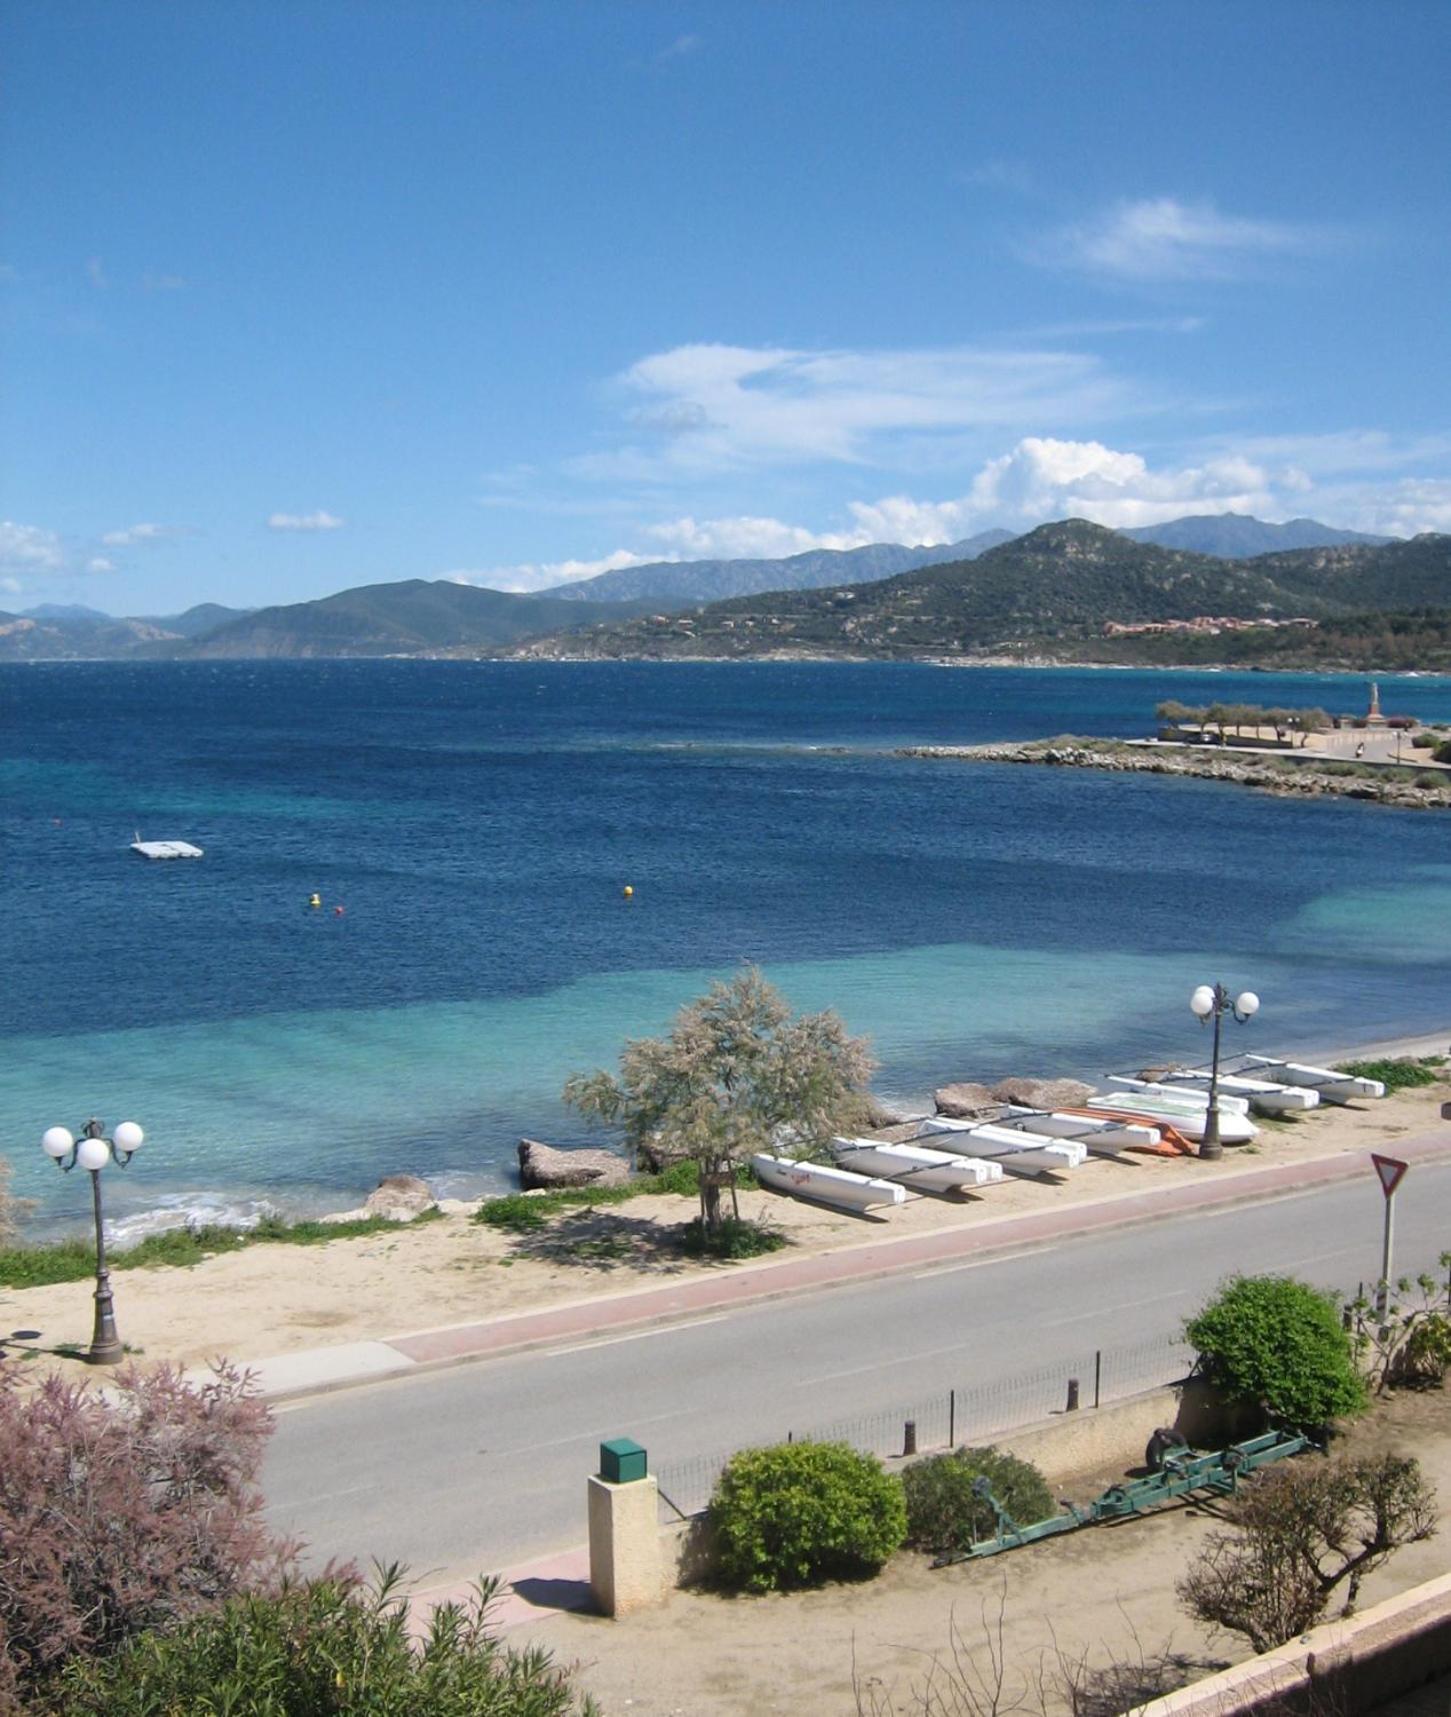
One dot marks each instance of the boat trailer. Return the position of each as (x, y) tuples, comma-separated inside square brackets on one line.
[(1182, 1473)]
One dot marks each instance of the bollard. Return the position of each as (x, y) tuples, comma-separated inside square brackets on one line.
[(1072, 1395), (909, 1437)]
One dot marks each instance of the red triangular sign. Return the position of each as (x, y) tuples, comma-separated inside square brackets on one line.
[(1391, 1170)]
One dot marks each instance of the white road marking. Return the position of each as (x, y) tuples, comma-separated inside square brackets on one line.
[(634, 1335), (979, 1263)]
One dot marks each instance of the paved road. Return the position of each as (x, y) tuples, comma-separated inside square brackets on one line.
[(484, 1465)]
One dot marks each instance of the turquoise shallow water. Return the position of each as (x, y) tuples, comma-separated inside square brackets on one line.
[(479, 822)]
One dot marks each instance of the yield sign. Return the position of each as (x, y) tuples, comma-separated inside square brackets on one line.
[(1390, 1170)]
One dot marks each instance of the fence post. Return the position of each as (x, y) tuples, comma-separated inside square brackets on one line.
[(909, 1437), (1097, 1376), (1072, 1394), (952, 1407)]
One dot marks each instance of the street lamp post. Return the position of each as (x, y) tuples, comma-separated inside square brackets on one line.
[(92, 1151), (1213, 1001)]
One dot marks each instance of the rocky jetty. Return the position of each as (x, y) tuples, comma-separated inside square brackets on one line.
[(1286, 775), (546, 1168), (966, 1101), (1043, 1093)]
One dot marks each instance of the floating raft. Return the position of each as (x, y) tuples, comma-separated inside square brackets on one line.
[(165, 849)]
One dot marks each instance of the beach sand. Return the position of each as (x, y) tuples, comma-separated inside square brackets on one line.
[(277, 1299)]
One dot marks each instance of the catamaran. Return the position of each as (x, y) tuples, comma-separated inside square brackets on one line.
[(915, 1165), (826, 1185), (1019, 1153), (1188, 1119), (1264, 1097), (1332, 1086), (1103, 1137), (1183, 1095)]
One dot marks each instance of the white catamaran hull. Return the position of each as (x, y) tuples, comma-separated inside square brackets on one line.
[(914, 1165), (1333, 1087), (1017, 1152), (1105, 1137), (826, 1185), (1143, 1105), (1183, 1095), (1263, 1097)]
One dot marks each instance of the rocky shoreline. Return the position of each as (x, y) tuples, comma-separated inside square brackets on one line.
[(1283, 776)]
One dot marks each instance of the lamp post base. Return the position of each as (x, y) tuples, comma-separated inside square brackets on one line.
[(106, 1347)]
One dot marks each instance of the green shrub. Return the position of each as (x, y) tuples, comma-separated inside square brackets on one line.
[(945, 1513), (1423, 741), (1442, 753), (1398, 1074), (734, 1238), (796, 1514), (516, 1212), (1278, 1342), (330, 1646)]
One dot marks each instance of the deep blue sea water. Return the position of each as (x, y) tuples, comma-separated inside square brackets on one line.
[(478, 823)]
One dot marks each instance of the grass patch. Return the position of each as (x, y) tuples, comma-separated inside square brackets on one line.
[(735, 1238), (1399, 1074), (74, 1260), (525, 1213)]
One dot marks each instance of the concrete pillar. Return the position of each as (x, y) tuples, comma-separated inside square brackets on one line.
[(626, 1570)]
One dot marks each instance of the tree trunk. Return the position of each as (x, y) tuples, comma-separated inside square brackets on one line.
[(710, 1199)]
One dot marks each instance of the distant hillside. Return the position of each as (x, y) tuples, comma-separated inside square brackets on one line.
[(684, 583), (204, 617), (1053, 587), (63, 611), (24, 638), (413, 617), (1237, 536)]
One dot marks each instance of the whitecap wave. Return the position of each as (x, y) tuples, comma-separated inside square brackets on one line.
[(188, 1210)]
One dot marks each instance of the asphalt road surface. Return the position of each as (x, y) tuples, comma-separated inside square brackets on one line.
[(484, 1465)]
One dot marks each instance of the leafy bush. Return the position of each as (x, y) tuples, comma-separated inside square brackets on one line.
[(734, 1238), (945, 1513), (1278, 1342), (1398, 1074), (516, 1211), (329, 1646), (121, 1515), (796, 1514), (1442, 753)]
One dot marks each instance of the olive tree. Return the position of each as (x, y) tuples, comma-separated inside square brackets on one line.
[(734, 1071)]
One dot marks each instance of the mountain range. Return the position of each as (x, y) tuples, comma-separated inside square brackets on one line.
[(1055, 582), (1043, 593), (684, 583)]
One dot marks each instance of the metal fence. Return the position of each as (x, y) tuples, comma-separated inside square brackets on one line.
[(962, 1413)]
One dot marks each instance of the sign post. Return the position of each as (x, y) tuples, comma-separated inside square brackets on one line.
[(1390, 1171)]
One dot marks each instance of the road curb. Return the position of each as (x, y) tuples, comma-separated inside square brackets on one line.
[(462, 1344)]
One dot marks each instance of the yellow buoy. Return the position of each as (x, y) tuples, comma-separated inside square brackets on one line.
[(316, 900), (628, 891)]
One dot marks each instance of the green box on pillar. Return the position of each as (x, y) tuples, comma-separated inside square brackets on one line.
[(622, 1461)]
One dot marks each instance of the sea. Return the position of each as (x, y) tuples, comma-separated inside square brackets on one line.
[(522, 865)]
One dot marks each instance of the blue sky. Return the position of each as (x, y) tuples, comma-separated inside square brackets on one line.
[(299, 296)]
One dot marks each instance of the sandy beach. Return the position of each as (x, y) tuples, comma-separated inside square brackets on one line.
[(271, 1300)]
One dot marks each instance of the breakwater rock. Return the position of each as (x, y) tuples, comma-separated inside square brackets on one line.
[(1285, 775)]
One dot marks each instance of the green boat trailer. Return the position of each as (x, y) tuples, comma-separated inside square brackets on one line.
[(1182, 1474)]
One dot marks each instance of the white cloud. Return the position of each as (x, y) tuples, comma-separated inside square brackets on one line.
[(679, 49), (11, 586), (99, 563), (1161, 238), (28, 548), (137, 534), (544, 575), (742, 538), (706, 408), (318, 521)]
